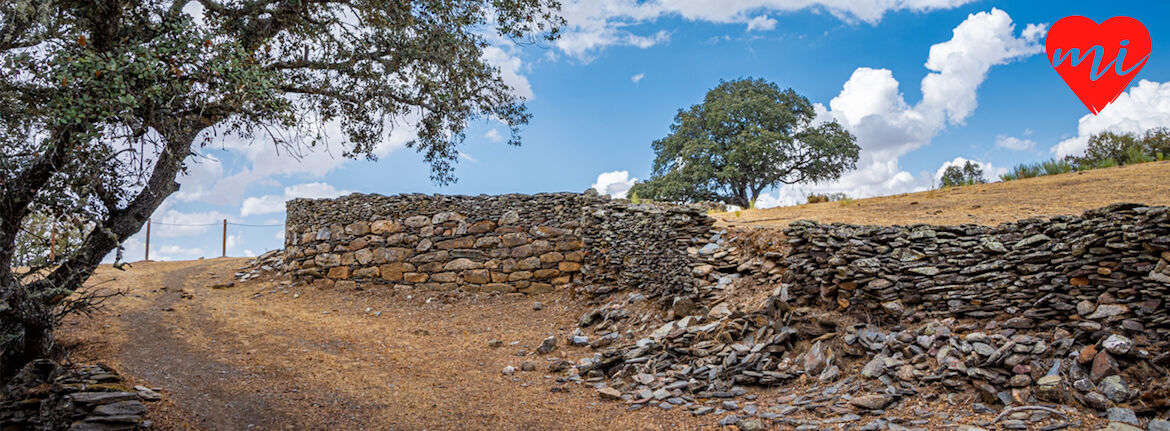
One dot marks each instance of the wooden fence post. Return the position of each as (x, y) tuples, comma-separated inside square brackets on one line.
[(147, 239)]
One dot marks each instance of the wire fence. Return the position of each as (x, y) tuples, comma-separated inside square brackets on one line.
[(224, 237)]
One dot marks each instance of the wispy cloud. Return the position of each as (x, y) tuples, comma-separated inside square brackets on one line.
[(467, 157), (1014, 143), (494, 136), (593, 25), (761, 23)]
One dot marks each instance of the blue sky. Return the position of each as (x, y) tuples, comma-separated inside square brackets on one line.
[(921, 83)]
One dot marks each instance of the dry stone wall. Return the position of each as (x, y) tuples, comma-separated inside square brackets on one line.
[(1068, 310), (47, 396), (504, 243), (1106, 267), (643, 246)]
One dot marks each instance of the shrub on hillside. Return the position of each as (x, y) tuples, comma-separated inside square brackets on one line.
[(1055, 167), (815, 198), (969, 173), (1032, 170), (1105, 150)]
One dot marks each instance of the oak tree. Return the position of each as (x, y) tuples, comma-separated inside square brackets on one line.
[(746, 136), (103, 101)]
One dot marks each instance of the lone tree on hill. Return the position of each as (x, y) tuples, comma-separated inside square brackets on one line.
[(102, 101), (969, 173), (746, 136)]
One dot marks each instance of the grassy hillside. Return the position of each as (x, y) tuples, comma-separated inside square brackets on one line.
[(987, 204)]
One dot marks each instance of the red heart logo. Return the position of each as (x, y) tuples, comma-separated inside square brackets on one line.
[(1098, 61)]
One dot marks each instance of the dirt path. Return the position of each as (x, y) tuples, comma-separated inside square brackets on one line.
[(155, 321), (159, 354), (258, 356)]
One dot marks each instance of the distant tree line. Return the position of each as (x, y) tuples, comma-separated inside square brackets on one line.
[(1105, 150)]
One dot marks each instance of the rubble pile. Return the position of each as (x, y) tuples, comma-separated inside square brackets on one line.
[(271, 262), (1067, 311), (45, 395)]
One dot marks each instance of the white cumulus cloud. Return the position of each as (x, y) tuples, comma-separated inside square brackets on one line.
[(1142, 107), (233, 241), (196, 182), (872, 107), (269, 204), (637, 78), (510, 70), (170, 223), (615, 183), (959, 65), (174, 249)]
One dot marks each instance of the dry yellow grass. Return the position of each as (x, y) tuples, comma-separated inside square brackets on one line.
[(986, 204), (259, 357), (229, 359)]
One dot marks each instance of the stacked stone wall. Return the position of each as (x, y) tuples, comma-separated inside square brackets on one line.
[(1106, 267), (505, 243), (1069, 310)]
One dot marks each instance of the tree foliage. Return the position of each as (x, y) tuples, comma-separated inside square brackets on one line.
[(746, 136), (968, 174), (44, 236), (1112, 149), (102, 101)]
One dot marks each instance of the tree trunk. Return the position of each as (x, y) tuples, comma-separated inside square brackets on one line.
[(26, 326), (26, 311), (756, 190), (741, 201)]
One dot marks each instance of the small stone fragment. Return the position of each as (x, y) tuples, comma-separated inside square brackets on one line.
[(548, 345), (872, 402), (608, 393)]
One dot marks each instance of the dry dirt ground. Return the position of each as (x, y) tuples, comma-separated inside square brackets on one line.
[(986, 204), (261, 355), (253, 357), (264, 356)]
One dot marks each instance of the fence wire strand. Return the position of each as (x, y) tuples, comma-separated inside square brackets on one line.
[(214, 224), (223, 222)]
